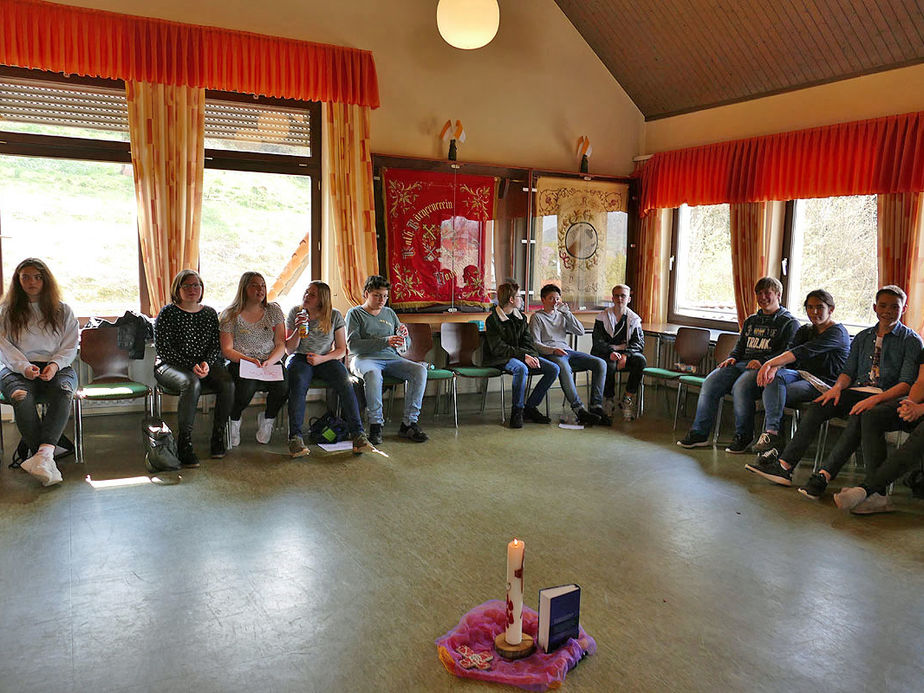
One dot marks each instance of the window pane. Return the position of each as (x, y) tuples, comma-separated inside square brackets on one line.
[(251, 221), (834, 248), (79, 217), (256, 127), (704, 287)]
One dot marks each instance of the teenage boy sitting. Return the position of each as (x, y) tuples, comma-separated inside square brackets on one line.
[(508, 345), (810, 365), (881, 365), (549, 329), (764, 335), (906, 414), (374, 334), (619, 340)]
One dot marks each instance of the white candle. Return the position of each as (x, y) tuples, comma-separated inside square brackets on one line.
[(516, 554)]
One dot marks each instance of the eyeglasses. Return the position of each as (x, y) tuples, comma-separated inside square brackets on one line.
[(190, 286)]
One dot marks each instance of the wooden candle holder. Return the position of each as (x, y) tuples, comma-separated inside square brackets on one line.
[(526, 647)]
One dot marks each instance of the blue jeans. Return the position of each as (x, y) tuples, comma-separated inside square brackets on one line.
[(579, 361), (741, 382), (301, 373), (57, 394), (520, 372), (372, 372), (785, 390)]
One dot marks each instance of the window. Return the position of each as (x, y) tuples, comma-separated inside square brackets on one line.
[(68, 193), (702, 288), (833, 247)]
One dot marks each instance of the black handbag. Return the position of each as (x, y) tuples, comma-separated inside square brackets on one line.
[(328, 428), (160, 446)]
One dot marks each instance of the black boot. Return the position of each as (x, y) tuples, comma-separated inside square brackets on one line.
[(185, 450), (516, 417), (219, 439)]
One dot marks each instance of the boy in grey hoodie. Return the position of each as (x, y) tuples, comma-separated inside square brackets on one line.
[(549, 329)]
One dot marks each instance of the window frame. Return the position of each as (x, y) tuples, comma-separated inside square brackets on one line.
[(672, 315), (86, 149)]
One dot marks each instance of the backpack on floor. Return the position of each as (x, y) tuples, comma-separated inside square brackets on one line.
[(22, 452), (160, 446), (328, 428)]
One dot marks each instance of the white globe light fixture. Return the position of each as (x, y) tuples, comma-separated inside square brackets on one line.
[(467, 24)]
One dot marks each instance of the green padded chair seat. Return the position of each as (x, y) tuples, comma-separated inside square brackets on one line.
[(662, 373), (695, 380), (477, 372), (439, 374), (104, 391)]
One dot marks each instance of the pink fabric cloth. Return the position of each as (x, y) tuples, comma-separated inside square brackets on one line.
[(538, 672)]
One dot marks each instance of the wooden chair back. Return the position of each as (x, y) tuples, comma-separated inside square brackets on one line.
[(691, 345), (459, 340), (421, 338), (99, 349), (723, 346)]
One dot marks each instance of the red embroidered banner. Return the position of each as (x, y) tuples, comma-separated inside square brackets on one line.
[(437, 227)]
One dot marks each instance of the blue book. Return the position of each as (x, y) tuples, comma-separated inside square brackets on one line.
[(559, 616)]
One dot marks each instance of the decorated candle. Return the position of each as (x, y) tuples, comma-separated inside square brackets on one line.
[(516, 554)]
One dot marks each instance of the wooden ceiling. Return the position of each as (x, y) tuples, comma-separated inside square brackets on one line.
[(676, 56)]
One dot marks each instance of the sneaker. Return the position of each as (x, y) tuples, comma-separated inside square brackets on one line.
[(516, 417), (771, 455), (361, 444), (876, 503), (694, 440), (412, 432), (850, 498), (188, 458), (235, 428), (586, 418), (42, 466), (628, 407), (771, 470), (766, 441), (297, 447), (375, 434), (264, 428), (739, 445), (815, 488), (536, 416), (605, 420)]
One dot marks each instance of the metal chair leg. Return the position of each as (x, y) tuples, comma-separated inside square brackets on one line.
[(503, 401), (455, 402), (718, 422), (78, 430), (484, 393), (677, 407)]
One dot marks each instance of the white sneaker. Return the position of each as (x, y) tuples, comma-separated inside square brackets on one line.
[(235, 427), (875, 503), (42, 466), (628, 407), (264, 428)]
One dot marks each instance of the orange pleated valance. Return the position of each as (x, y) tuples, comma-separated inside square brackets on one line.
[(884, 155), (94, 43)]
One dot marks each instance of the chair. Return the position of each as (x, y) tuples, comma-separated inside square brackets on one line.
[(421, 337), (691, 346), (460, 340), (723, 346), (109, 380)]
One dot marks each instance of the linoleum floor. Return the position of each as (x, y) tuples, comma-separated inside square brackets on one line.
[(335, 573)]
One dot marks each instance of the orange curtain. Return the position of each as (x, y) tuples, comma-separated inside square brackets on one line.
[(167, 127), (884, 155), (351, 208), (750, 252), (901, 253), (94, 43), (647, 297)]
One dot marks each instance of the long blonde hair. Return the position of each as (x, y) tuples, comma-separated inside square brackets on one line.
[(15, 304), (234, 309), (324, 307)]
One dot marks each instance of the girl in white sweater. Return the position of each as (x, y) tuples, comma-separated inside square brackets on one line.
[(38, 343)]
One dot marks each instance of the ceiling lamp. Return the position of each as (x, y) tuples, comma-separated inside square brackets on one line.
[(468, 24)]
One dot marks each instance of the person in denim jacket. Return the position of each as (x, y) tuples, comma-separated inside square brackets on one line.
[(881, 366)]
